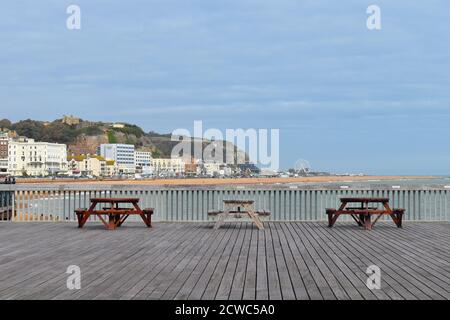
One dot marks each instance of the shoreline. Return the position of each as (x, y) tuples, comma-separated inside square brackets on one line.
[(229, 181)]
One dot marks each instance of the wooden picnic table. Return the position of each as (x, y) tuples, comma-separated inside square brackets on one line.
[(363, 212), (115, 213), (233, 208)]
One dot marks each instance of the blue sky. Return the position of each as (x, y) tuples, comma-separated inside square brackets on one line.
[(344, 98)]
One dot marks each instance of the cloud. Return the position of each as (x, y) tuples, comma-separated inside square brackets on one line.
[(297, 65)]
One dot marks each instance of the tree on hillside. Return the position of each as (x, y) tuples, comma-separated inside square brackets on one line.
[(59, 132), (29, 128), (5, 124)]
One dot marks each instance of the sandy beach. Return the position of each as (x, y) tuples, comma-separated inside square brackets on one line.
[(228, 181)]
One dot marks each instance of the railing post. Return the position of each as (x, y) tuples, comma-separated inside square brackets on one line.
[(13, 205)]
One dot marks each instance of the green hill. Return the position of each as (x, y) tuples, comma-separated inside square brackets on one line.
[(82, 136)]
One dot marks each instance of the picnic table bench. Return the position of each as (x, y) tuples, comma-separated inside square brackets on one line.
[(232, 208), (363, 213), (115, 214)]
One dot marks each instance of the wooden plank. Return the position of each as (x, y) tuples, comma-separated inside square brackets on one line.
[(117, 284), (192, 261), (191, 281), (250, 271), (174, 268), (112, 263), (262, 285), (273, 279), (198, 291), (308, 277), (295, 276), (423, 285), (287, 290), (241, 273), (319, 279), (378, 257), (219, 270), (224, 289)]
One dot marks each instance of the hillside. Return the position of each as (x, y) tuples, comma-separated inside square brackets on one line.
[(83, 136)]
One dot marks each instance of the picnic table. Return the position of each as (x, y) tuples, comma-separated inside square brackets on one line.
[(233, 208), (363, 213), (114, 211)]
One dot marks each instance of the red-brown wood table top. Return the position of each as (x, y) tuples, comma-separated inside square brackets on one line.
[(115, 213), (362, 214)]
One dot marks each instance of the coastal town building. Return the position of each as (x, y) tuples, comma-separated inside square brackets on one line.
[(192, 167), (27, 157), (168, 166), (91, 165), (248, 168), (111, 168), (4, 140), (211, 169), (143, 162), (118, 125), (70, 120), (214, 169), (122, 154), (142, 158)]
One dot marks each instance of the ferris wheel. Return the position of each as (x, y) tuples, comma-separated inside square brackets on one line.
[(302, 166)]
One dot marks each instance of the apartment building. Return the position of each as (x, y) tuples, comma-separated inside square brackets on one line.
[(111, 168), (91, 165), (143, 158), (4, 139), (168, 166), (216, 169), (143, 162), (28, 157), (122, 154)]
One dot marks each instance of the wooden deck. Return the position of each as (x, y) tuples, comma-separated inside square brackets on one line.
[(193, 261)]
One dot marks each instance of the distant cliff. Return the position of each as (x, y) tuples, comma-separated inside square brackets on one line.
[(82, 136)]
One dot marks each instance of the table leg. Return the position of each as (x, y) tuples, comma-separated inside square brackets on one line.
[(375, 221), (221, 217), (80, 219), (333, 220), (85, 216), (399, 219), (147, 218), (330, 220), (111, 222), (367, 222), (254, 217), (357, 220)]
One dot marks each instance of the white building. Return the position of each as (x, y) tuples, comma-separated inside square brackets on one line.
[(122, 154), (143, 162), (143, 158), (4, 140), (211, 169), (168, 166), (91, 165), (216, 169), (27, 157)]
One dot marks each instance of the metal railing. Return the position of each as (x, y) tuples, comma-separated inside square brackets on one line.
[(6, 205), (57, 203)]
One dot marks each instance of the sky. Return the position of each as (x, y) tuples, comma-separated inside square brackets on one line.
[(344, 98)]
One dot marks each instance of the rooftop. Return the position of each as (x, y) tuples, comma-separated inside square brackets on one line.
[(301, 260)]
